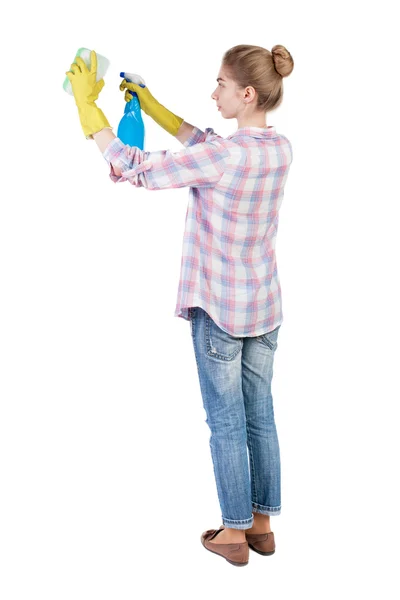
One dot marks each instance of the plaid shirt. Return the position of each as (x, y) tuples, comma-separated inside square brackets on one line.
[(228, 264)]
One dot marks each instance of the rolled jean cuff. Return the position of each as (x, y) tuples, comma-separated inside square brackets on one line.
[(235, 524), (266, 510)]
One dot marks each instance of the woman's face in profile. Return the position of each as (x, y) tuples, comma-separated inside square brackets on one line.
[(226, 95)]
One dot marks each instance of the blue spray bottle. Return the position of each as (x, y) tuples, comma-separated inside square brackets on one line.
[(131, 127)]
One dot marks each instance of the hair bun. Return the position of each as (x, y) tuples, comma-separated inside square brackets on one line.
[(282, 60)]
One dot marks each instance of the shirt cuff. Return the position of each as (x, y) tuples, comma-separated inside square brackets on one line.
[(195, 137), (124, 157), (115, 152)]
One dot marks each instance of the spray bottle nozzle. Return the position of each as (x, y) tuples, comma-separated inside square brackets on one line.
[(123, 75), (133, 78)]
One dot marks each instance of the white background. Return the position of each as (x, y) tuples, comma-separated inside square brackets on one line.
[(106, 474)]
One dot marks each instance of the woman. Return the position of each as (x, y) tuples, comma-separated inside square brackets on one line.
[(229, 286)]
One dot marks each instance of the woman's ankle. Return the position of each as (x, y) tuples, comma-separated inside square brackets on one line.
[(236, 535), (261, 523)]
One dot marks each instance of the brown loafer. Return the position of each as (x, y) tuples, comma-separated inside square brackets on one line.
[(263, 543), (236, 554)]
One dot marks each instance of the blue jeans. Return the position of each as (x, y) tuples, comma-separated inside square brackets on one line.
[(235, 380)]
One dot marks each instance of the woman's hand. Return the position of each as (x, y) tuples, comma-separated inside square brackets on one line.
[(86, 91), (146, 99), (161, 115), (84, 85)]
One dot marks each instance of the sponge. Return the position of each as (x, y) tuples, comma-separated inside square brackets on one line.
[(102, 66)]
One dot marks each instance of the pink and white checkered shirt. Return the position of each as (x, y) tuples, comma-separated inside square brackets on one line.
[(228, 264)]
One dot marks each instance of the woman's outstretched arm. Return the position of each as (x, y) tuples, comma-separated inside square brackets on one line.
[(199, 164), (105, 136)]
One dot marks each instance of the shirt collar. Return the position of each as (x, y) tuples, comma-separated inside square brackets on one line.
[(257, 132)]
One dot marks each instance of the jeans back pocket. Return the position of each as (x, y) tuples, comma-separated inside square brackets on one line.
[(270, 338)]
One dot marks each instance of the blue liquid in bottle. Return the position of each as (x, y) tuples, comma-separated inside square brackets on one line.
[(131, 127)]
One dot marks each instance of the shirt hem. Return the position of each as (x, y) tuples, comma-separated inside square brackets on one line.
[(179, 314)]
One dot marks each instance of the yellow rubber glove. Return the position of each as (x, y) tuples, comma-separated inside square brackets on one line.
[(86, 91), (161, 115)]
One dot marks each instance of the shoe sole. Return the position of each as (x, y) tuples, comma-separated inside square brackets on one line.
[(260, 552)]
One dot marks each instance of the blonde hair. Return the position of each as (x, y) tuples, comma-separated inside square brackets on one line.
[(260, 68)]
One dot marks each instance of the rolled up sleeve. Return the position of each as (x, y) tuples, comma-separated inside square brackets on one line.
[(198, 165), (198, 135)]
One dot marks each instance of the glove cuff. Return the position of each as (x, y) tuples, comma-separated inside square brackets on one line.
[(166, 119), (92, 119)]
